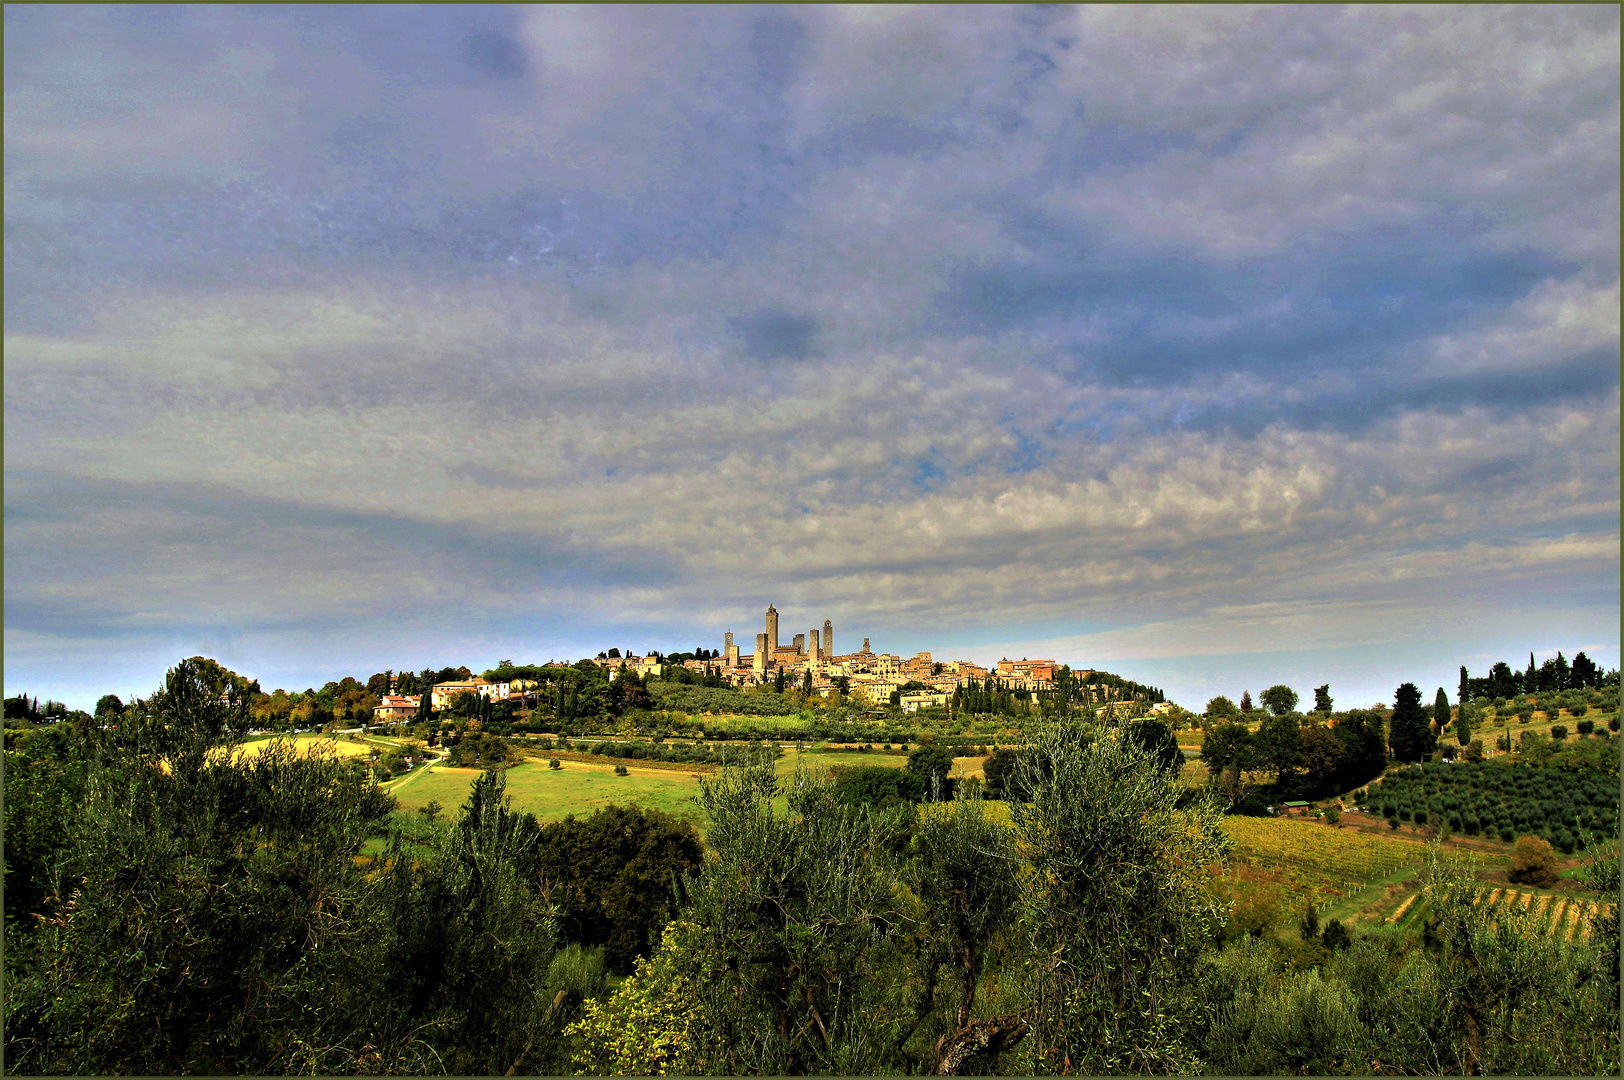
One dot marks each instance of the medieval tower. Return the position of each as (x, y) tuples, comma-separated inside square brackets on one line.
[(772, 630), (828, 639)]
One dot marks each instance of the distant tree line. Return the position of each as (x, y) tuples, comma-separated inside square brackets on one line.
[(1553, 676)]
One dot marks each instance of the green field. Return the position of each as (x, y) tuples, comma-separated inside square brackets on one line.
[(551, 795), (581, 787)]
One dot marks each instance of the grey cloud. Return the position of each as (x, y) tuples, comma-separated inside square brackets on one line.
[(495, 54), (983, 314), (777, 335)]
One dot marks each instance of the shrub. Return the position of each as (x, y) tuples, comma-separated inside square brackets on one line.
[(1533, 862), (553, 763), (1612, 722), (878, 785), (1309, 924), (1559, 732), (1333, 815), (1585, 726), (1578, 708), (620, 770)]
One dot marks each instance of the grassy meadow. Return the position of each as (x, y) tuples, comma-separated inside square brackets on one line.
[(581, 787), (553, 794)]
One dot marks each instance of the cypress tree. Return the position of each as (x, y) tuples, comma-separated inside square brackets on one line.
[(1408, 732), (1440, 710)]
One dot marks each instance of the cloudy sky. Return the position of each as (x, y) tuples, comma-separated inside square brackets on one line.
[(1215, 346)]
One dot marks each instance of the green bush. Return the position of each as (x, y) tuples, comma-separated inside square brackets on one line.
[(620, 770), (554, 763)]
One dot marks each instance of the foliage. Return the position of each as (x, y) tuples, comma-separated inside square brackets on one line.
[(477, 749), (1221, 708), (878, 785), (1279, 742), (931, 764), (1486, 995), (615, 877), (797, 915), (1116, 904), (1157, 739), (1409, 733), (45, 772), (1533, 862), (653, 1024), (1441, 711), (221, 919), (1228, 745), (1279, 699), (998, 771)]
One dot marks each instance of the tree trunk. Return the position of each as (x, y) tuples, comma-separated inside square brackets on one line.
[(977, 1037)]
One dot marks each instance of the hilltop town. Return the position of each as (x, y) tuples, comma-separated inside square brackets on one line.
[(808, 661)]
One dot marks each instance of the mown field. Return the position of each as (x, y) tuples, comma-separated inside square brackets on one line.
[(309, 744), (552, 794), (580, 787)]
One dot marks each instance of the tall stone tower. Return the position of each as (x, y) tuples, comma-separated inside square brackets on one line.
[(759, 661), (772, 628), (828, 639), (730, 651), (816, 652), (799, 643)]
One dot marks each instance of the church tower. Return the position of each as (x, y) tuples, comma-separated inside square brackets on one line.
[(772, 630)]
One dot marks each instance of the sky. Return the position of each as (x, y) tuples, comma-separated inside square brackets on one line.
[(1214, 346)]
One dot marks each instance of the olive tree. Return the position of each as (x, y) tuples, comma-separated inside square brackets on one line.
[(1115, 904)]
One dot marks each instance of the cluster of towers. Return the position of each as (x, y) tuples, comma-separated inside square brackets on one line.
[(769, 653)]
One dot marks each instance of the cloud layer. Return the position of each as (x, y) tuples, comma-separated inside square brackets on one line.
[(351, 338)]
